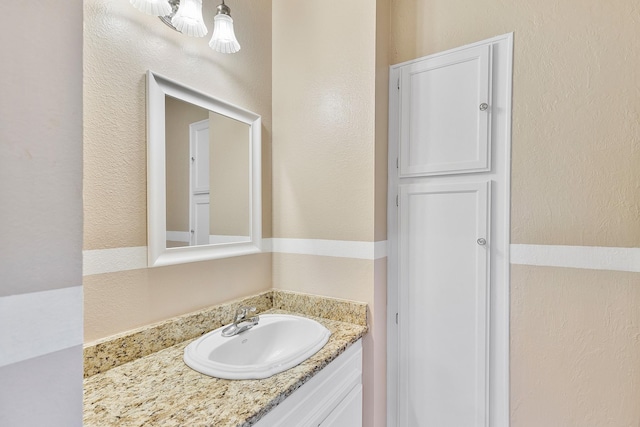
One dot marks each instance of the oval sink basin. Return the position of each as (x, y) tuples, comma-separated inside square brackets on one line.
[(278, 342)]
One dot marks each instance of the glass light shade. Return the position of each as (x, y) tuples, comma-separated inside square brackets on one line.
[(188, 20), (224, 39), (152, 7)]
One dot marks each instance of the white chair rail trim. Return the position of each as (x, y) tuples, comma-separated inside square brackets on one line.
[(585, 257), (100, 261)]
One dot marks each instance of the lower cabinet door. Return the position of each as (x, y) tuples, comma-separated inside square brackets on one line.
[(348, 413), (321, 401)]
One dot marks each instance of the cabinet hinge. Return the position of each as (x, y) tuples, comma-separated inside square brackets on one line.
[(396, 318), (397, 163), (397, 202), (398, 83)]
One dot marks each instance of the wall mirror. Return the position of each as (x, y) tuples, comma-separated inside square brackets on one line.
[(203, 176)]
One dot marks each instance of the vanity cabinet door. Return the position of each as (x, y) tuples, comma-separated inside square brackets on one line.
[(333, 397), (348, 413)]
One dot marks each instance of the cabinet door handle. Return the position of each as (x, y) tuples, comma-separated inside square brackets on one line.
[(481, 241)]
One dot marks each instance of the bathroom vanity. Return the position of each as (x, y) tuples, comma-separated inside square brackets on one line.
[(155, 387)]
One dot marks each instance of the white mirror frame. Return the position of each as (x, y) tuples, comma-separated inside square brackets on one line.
[(158, 253)]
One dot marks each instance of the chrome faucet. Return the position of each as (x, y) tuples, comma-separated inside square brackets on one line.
[(241, 322)]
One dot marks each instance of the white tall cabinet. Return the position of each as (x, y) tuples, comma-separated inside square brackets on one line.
[(448, 238)]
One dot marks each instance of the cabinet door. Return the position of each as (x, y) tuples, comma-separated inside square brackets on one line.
[(348, 413), (444, 306), (445, 110), (316, 400)]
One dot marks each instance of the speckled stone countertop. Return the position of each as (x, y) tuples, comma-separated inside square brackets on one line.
[(158, 389)]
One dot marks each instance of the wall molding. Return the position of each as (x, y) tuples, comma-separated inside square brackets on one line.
[(333, 248), (38, 323), (100, 261), (585, 257)]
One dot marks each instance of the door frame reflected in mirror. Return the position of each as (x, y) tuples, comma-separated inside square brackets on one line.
[(158, 254)]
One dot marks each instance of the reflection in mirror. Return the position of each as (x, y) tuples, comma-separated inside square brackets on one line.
[(207, 163), (203, 176)]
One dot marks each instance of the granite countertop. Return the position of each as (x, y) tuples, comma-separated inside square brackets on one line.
[(160, 390)]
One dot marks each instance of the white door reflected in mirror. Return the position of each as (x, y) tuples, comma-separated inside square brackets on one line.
[(204, 199)]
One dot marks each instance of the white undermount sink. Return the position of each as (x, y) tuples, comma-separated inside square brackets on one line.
[(278, 342)]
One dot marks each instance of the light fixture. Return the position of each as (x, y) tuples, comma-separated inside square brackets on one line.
[(185, 16), (224, 39), (188, 20), (152, 7), (169, 16)]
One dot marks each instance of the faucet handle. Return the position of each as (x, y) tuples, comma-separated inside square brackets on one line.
[(242, 312), (254, 317)]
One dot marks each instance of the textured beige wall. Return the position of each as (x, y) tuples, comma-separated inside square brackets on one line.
[(576, 109), (330, 73), (575, 181), (383, 29), (178, 116), (323, 99), (117, 302), (120, 45), (335, 277), (575, 347)]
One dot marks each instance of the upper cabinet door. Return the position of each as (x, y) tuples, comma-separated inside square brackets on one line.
[(445, 111)]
